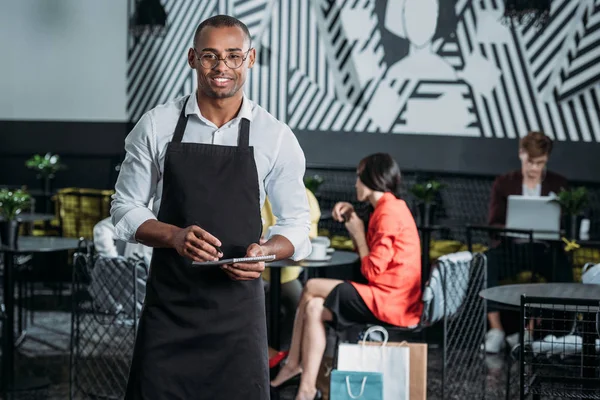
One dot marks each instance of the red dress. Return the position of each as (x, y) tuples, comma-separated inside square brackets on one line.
[(393, 265)]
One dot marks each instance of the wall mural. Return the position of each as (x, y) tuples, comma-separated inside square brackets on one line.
[(428, 67)]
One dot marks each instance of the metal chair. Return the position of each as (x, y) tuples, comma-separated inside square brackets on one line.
[(564, 361), (107, 300), (462, 314)]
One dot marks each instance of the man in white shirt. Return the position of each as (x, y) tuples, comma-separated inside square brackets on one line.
[(209, 159)]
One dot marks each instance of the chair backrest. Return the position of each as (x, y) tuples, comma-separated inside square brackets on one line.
[(118, 286), (80, 209), (447, 287)]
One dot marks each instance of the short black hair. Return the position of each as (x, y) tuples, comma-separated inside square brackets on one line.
[(380, 172), (222, 21)]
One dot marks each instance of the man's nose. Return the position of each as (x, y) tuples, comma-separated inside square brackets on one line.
[(221, 66)]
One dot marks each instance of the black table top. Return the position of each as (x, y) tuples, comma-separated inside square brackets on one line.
[(41, 244), (511, 294), (338, 258), (29, 217)]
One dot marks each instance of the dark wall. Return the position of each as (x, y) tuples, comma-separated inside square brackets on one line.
[(578, 161), (89, 150), (92, 150)]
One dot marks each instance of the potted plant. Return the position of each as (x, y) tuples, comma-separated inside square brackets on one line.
[(313, 183), (572, 202), (426, 193), (46, 167), (12, 203)]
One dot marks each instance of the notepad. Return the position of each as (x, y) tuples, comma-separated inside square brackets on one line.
[(236, 260)]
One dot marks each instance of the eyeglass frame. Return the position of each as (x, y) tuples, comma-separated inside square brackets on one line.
[(219, 59)]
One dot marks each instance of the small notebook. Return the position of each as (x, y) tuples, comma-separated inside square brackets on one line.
[(236, 260)]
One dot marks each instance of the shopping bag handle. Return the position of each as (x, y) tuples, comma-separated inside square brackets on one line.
[(362, 387), (376, 328)]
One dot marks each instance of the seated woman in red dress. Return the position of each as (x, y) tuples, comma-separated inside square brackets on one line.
[(390, 254)]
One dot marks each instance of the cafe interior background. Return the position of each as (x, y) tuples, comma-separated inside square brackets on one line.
[(446, 87)]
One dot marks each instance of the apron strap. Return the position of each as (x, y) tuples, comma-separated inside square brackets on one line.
[(181, 124), (244, 134)]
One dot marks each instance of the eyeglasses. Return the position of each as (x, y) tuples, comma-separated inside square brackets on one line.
[(232, 60)]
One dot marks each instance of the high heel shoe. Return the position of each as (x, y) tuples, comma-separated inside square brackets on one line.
[(293, 380), (318, 395), (277, 358)]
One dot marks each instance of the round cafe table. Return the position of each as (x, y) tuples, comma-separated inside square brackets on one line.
[(337, 258), (25, 245), (33, 217)]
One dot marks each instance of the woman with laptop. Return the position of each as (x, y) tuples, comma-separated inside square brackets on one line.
[(532, 179)]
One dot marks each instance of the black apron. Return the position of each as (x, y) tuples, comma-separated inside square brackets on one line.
[(202, 335)]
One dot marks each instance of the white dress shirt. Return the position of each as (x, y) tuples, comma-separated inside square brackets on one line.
[(279, 160)]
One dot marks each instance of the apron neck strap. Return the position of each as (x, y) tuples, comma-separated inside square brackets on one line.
[(243, 135), (181, 123)]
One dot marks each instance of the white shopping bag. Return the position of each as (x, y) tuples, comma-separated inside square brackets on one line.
[(392, 361)]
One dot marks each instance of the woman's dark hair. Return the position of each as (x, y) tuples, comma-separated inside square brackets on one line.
[(380, 172)]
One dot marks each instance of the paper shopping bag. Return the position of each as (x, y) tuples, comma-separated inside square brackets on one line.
[(348, 385), (392, 361), (418, 367)]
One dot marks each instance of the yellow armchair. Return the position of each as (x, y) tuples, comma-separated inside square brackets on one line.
[(288, 274)]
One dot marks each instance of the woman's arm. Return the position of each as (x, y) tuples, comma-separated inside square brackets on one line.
[(374, 259)]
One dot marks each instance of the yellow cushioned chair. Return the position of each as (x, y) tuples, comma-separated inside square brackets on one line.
[(288, 274)]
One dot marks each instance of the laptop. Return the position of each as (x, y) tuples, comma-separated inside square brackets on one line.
[(537, 213)]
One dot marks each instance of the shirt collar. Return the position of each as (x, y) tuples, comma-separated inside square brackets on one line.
[(245, 110)]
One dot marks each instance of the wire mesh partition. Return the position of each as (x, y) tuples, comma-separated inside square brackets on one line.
[(106, 307), (512, 255), (562, 359)]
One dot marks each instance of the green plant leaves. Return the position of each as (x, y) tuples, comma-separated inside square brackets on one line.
[(46, 165), (13, 202), (573, 201), (312, 183), (427, 191)]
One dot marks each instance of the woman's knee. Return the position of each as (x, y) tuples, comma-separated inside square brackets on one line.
[(310, 286), (314, 307)]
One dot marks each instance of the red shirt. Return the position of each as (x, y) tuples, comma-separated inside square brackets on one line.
[(393, 265)]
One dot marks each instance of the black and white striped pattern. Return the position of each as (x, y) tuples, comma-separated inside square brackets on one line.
[(583, 70), (158, 70), (317, 73)]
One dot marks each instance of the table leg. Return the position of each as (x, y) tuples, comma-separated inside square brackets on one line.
[(274, 302), (8, 334)]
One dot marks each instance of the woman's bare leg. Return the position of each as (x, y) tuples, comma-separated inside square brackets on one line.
[(314, 346), (314, 288)]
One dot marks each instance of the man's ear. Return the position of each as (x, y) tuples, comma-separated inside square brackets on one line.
[(251, 58), (192, 58)]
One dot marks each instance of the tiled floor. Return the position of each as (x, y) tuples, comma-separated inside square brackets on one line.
[(46, 351)]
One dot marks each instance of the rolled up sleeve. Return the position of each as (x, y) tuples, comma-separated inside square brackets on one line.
[(136, 183), (286, 191)]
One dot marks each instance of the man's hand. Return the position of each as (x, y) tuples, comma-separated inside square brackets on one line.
[(341, 211), (247, 271), (196, 244)]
